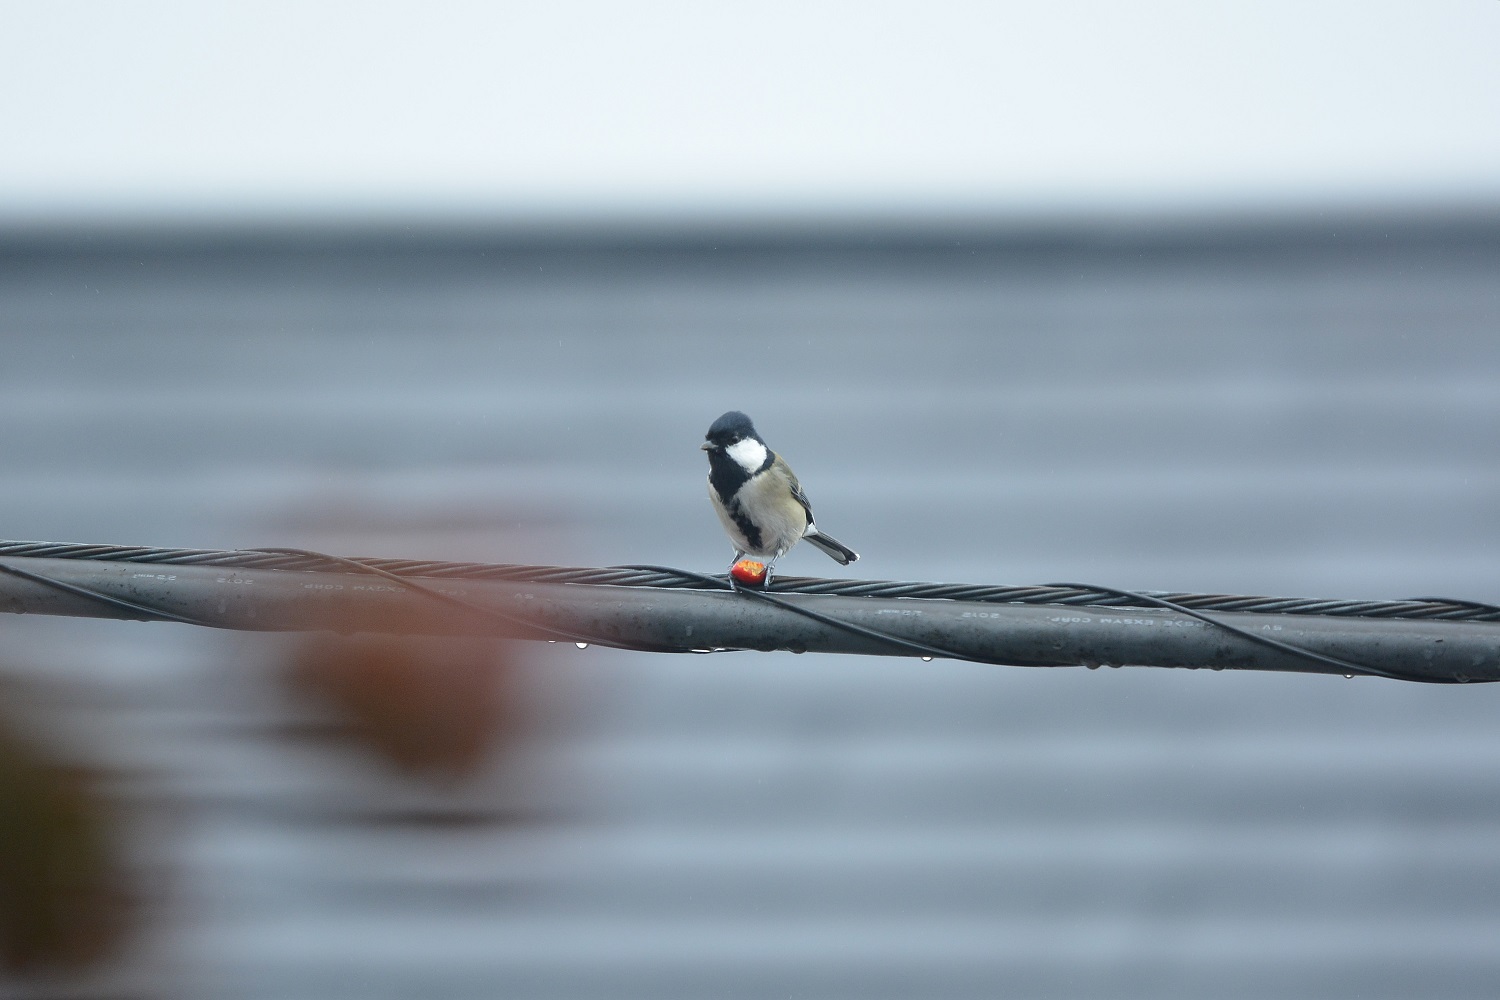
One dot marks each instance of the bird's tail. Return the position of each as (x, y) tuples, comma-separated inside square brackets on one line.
[(836, 549)]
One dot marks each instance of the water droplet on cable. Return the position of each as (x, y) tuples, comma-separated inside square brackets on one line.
[(926, 659), (581, 645), (1348, 677)]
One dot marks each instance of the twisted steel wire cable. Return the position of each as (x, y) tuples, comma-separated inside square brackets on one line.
[(1425, 608)]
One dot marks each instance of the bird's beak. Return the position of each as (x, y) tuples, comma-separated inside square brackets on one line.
[(706, 446)]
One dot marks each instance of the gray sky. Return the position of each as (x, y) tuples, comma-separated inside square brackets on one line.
[(577, 106)]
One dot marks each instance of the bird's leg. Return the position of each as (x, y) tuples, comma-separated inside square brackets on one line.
[(738, 555), (770, 566)]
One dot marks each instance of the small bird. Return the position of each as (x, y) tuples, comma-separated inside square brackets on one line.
[(758, 497)]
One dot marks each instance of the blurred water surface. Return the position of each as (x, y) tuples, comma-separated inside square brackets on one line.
[(1301, 409)]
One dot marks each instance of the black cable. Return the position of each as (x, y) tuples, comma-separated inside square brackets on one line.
[(818, 616), (459, 602), (151, 612), (102, 598), (1346, 666), (553, 574)]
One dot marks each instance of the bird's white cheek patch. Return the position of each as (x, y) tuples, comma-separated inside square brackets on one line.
[(748, 454)]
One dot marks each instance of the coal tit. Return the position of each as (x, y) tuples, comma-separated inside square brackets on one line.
[(757, 497)]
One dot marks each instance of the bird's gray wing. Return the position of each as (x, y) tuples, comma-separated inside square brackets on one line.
[(800, 496)]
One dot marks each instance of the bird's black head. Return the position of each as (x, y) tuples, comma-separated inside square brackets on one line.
[(731, 427)]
